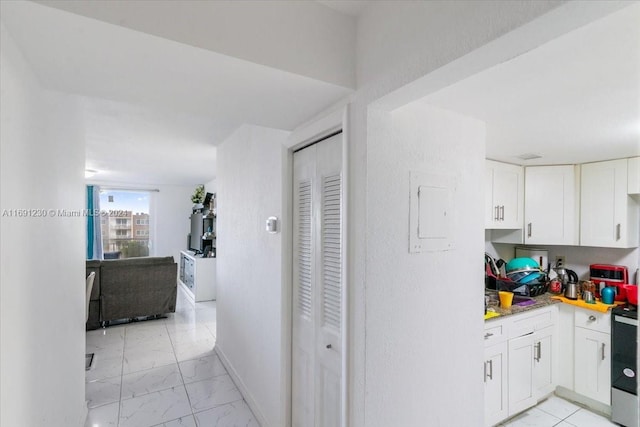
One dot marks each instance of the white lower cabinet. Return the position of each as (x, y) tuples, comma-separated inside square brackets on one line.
[(519, 362), (495, 384), (592, 369), (530, 369)]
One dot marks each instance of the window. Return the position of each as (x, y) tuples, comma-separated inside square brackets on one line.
[(125, 223)]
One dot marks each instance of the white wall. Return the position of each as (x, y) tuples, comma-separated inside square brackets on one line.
[(423, 310), (42, 286), (396, 46), (172, 207), (252, 166), (211, 186)]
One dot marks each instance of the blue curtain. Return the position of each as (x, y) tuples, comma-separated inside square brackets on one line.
[(94, 235)]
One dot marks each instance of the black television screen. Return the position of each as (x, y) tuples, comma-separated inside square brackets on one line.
[(195, 243)]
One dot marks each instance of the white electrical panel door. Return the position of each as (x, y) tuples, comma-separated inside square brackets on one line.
[(431, 214), (317, 391)]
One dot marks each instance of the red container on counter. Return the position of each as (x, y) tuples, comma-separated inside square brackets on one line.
[(610, 275)]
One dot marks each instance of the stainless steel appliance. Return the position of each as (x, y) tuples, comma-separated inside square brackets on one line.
[(624, 369)]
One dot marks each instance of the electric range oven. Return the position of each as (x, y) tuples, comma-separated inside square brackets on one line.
[(624, 370)]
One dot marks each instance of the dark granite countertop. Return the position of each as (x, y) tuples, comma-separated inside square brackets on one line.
[(540, 301)]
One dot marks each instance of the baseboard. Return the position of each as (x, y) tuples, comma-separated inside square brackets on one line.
[(248, 397), (581, 400)]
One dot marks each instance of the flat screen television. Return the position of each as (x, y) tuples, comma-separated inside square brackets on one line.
[(195, 242)]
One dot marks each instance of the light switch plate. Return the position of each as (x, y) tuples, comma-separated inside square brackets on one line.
[(272, 224)]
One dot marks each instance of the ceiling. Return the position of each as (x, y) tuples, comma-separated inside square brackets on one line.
[(154, 108), (575, 99)]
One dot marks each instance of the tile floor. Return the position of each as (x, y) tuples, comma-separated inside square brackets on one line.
[(163, 373), (560, 413)]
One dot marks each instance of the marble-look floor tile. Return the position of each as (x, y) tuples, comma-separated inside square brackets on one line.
[(558, 407), (104, 336), (213, 392), (150, 380), (584, 418), (191, 336), (212, 326), (195, 350), (104, 368), (101, 392), (181, 325), (106, 351), (229, 415), (146, 334), (103, 416), (142, 359), (187, 421), (533, 418), (153, 343), (201, 369), (154, 408)]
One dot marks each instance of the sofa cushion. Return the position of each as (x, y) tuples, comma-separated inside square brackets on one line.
[(117, 263)]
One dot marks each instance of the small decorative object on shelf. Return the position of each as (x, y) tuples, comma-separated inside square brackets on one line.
[(198, 197)]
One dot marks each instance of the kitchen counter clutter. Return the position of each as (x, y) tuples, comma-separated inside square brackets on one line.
[(597, 306), (520, 304)]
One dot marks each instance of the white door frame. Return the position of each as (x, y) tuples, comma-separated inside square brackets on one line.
[(324, 127)]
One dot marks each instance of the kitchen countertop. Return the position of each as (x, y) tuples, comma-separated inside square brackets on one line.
[(541, 301)]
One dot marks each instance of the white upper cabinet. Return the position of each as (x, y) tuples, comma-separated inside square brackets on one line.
[(551, 205), (504, 198), (609, 216), (633, 176)]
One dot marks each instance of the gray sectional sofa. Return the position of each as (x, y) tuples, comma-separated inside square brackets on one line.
[(131, 288)]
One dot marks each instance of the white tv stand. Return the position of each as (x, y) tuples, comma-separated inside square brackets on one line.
[(198, 276)]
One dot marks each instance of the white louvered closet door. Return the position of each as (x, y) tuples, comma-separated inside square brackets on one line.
[(317, 285)]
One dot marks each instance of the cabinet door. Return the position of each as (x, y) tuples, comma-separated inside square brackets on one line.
[(495, 384), (543, 350), (521, 374), (504, 195), (550, 205), (593, 364), (608, 214)]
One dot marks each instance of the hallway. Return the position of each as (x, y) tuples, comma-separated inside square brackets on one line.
[(163, 373)]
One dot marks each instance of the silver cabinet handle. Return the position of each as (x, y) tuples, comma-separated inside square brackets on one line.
[(602, 351), (485, 371), (490, 369), (538, 354), (592, 318), (529, 230), (617, 231), (496, 216), (502, 213), (487, 335)]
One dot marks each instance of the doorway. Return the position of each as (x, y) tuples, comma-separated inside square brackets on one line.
[(318, 285)]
